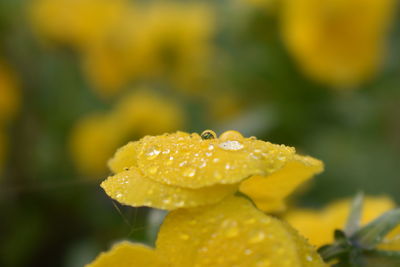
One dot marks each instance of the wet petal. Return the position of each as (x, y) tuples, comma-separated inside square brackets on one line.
[(269, 192), (186, 160), (307, 252), (124, 158), (132, 188), (231, 233), (126, 254)]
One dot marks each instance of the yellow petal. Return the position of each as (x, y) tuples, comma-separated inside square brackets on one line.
[(307, 252), (231, 233), (9, 93), (318, 226), (392, 240), (269, 192), (132, 188), (126, 254), (186, 160), (124, 158)]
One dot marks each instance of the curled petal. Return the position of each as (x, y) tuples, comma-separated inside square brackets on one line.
[(124, 158), (269, 192), (231, 233), (126, 254), (132, 188)]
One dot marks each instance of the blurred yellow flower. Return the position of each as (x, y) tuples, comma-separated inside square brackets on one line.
[(9, 105), (231, 233), (121, 41), (164, 39), (177, 170), (95, 137), (318, 226), (9, 94), (76, 22), (338, 42), (3, 144)]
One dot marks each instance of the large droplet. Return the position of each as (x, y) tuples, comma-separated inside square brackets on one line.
[(231, 135), (231, 145)]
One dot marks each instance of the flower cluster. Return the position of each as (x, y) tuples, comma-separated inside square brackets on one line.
[(196, 176), (121, 41)]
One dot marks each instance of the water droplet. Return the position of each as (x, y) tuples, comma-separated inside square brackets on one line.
[(257, 237), (231, 145), (166, 151), (119, 195), (210, 147), (208, 154), (184, 236), (216, 160), (150, 191), (189, 172), (250, 221), (217, 175), (166, 201), (309, 258), (208, 134), (228, 166), (231, 135), (232, 232), (183, 163), (153, 153), (180, 203), (248, 251), (153, 169)]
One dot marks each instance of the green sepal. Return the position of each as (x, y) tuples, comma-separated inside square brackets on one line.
[(372, 234), (353, 222)]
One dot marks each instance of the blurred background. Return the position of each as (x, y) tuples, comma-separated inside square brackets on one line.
[(80, 78)]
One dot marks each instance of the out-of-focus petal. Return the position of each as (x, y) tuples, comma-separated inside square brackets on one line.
[(126, 254), (269, 192)]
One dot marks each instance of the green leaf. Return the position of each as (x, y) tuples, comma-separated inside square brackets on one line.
[(373, 233), (353, 222)]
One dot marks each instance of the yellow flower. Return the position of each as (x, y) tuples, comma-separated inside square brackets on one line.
[(339, 42), (9, 94), (3, 148), (231, 233), (95, 137), (76, 22), (164, 40), (318, 226), (188, 170)]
